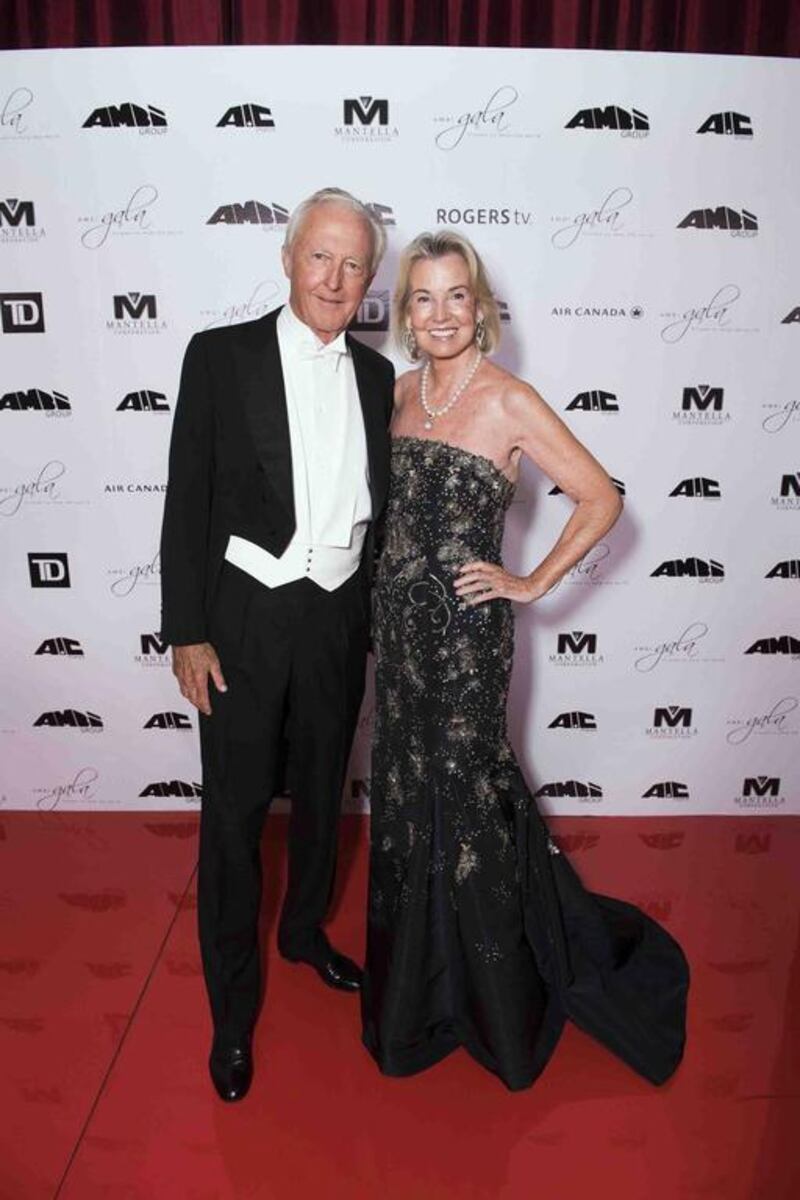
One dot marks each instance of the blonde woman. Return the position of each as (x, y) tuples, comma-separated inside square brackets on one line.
[(479, 933)]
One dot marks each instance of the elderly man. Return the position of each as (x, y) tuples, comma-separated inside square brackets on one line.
[(278, 471)]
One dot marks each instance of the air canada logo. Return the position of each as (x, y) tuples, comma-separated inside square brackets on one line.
[(667, 789), (366, 119), (598, 311), (774, 721), (69, 718), (168, 720), (18, 222), (571, 789), (760, 791), (702, 404), (618, 484), (574, 720), (373, 313), (172, 788), (576, 649), (732, 124), (153, 651), (705, 570), (247, 116), (60, 646), (671, 722), (144, 400), (22, 312), (146, 118), (49, 570), (136, 313), (629, 122), (788, 497), (250, 212), (594, 401), (785, 643), (788, 569), (739, 222), (54, 404), (134, 488), (792, 317), (698, 487)]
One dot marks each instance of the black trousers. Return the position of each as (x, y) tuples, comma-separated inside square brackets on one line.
[(293, 658)]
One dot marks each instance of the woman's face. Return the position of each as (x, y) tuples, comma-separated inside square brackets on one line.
[(442, 310)]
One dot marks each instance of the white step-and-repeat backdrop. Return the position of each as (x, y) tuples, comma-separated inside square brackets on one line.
[(639, 218)]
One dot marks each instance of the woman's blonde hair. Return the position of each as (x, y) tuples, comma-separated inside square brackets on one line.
[(437, 245)]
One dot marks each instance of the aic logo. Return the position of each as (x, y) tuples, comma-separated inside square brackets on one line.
[(731, 219), (698, 486), (22, 312), (785, 643), (382, 212), (152, 651), (49, 570), (147, 119), (251, 212), (571, 789), (246, 116), (365, 119), (792, 317), (18, 221), (373, 313), (137, 313), (574, 720), (760, 791), (168, 720), (629, 122), (731, 123), (173, 787), (593, 401), (690, 568), (662, 840), (59, 646), (55, 404), (788, 569), (145, 400), (69, 718), (789, 497), (576, 649), (672, 721), (667, 789), (701, 404)]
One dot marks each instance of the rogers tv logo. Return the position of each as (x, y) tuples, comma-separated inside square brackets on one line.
[(146, 118)]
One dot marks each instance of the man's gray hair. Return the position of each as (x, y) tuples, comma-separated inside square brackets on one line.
[(333, 195)]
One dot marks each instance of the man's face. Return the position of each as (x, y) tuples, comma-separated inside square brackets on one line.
[(328, 268)]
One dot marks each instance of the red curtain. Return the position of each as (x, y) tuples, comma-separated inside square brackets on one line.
[(712, 26)]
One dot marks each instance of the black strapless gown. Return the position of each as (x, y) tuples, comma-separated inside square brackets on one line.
[(479, 932)]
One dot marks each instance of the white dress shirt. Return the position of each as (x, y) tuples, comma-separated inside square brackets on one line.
[(329, 465)]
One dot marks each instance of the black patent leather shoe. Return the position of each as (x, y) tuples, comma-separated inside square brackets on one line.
[(339, 972), (231, 1070)]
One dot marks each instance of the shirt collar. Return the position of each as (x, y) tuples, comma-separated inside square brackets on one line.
[(304, 342)]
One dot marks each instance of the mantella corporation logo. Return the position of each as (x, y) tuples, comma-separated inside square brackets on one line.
[(136, 313), (702, 404), (366, 121), (18, 222), (576, 649)]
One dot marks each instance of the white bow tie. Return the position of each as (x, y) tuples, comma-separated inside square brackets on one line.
[(333, 351)]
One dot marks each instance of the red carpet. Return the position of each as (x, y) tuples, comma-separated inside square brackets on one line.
[(104, 1036)]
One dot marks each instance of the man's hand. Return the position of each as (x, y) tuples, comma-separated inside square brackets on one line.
[(191, 666)]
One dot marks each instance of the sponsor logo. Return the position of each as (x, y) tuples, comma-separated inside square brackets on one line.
[(144, 117), (264, 296), (145, 400), (247, 116), (629, 122), (133, 219), (136, 313), (55, 404), (382, 212), (772, 722), (702, 404), (42, 488), (780, 415), (373, 313), (576, 649), (715, 316), (590, 571), (365, 120), (788, 569), (168, 720), (134, 489), (704, 570), (671, 722), (16, 117), (698, 487), (662, 839), (598, 311), (153, 651), (59, 646), (594, 401), (125, 580), (681, 649), (784, 644), (492, 119), (789, 495), (574, 720), (606, 220), (18, 222), (69, 718), (792, 317), (571, 789), (49, 570), (667, 789), (760, 791), (739, 222), (171, 788), (81, 787), (483, 216), (732, 124), (752, 843), (250, 212), (22, 312)]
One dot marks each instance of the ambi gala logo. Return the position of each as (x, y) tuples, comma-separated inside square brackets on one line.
[(574, 721), (570, 789), (685, 648), (788, 498), (365, 120), (606, 220), (153, 651), (172, 788), (739, 222), (146, 118), (780, 416), (127, 579), (60, 647), (247, 116), (493, 118), (373, 313), (267, 217), (702, 404), (576, 649), (594, 400), (70, 718), (18, 222), (133, 218), (168, 720), (49, 570), (22, 312), (698, 487), (591, 570), (713, 316), (80, 788), (760, 791), (789, 568), (671, 722), (53, 404), (39, 488), (145, 400), (784, 644), (136, 313), (263, 297), (731, 124), (704, 570), (628, 122), (774, 722), (666, 789)]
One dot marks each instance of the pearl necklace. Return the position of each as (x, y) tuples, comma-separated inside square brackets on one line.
[(458, 391)]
